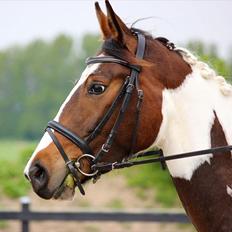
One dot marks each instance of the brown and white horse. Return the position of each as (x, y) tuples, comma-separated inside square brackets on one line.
[(186, 107)]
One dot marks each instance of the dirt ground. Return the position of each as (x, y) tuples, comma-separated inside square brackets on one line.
[(110, 191)]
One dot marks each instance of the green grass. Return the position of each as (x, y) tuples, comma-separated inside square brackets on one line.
[(152, 177), (115, 204), (3, 224), (13, 157), (91, 228), (11, 149)]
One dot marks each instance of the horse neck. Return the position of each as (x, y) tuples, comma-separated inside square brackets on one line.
[(197, 116)]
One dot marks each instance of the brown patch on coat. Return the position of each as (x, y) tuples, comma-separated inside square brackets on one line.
[(204, 197)]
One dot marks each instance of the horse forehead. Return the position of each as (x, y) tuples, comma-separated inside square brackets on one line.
[(90, 69)]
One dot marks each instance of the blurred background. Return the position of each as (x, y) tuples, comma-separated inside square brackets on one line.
[(43, 47)]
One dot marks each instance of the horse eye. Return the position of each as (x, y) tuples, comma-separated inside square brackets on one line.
[(96, 89)]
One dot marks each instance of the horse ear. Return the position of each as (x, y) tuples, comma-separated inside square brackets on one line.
[(103, 22), (119, 31)]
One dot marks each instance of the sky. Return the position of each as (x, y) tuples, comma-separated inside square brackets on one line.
[(179, 21)]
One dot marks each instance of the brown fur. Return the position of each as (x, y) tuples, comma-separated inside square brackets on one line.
[(204, 197)]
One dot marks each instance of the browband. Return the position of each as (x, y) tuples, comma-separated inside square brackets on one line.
[(111, 59)]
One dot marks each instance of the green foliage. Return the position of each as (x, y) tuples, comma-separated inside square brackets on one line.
[(11, 149), (13, 183), (90, 43), (115, 204), (3, 224), (209, 54), (152, 177), (35, 80)]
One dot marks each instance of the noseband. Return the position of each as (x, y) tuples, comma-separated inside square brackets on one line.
[(130, 84), (125, 92)]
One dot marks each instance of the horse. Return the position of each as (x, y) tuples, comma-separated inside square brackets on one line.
[(138, 93)]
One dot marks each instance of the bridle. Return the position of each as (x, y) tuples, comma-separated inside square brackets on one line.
[(130, 84), (125, 92)]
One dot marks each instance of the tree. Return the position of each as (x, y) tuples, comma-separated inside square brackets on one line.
[(35, 80)]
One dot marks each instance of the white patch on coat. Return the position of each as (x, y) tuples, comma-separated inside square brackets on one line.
[(44, 142), (188, 116), (229, 190), (46, 139)]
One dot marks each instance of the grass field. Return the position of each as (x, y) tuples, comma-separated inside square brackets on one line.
[(153, 179), (13, 157), (11, 149)]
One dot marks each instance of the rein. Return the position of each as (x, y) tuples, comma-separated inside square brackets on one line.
[(130, 84), (160, 159)]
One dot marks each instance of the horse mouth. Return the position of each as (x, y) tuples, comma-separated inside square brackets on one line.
[(66, 190)]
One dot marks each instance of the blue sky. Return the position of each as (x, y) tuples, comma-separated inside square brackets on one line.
[(180, 21)]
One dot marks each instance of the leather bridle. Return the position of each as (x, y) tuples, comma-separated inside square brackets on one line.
[(130, 84)]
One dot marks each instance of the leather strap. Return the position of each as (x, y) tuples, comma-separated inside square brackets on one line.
[(129, 89), (77, 140), (161, 158), (141, 46), (69, 164), (108, 114), (111, 59), (126, 90)]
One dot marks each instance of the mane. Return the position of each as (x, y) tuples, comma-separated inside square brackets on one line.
[(205, 70)]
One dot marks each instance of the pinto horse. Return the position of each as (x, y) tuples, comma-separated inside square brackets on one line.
[(141, 92)]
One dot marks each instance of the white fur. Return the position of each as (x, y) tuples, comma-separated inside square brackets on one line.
[(87, 72), (188, 116), (229, 190), (46, 139), (44, 142)]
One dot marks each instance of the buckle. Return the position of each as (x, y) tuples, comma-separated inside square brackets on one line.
[(140, 94), (113, 165), (78, 165), (104, 148)]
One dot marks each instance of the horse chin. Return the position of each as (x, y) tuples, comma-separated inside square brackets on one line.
[(66, 190)]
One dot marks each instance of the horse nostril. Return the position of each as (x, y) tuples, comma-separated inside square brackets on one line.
[(38, 176), (39, 173)]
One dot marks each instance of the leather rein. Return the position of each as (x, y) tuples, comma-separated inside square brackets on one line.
[(130, 84)]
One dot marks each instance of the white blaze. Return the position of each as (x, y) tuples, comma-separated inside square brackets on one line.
[(46, 139), (87, 72), (229, 190)]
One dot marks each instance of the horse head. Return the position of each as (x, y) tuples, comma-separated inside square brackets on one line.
[(103, 84), (140, 92)]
